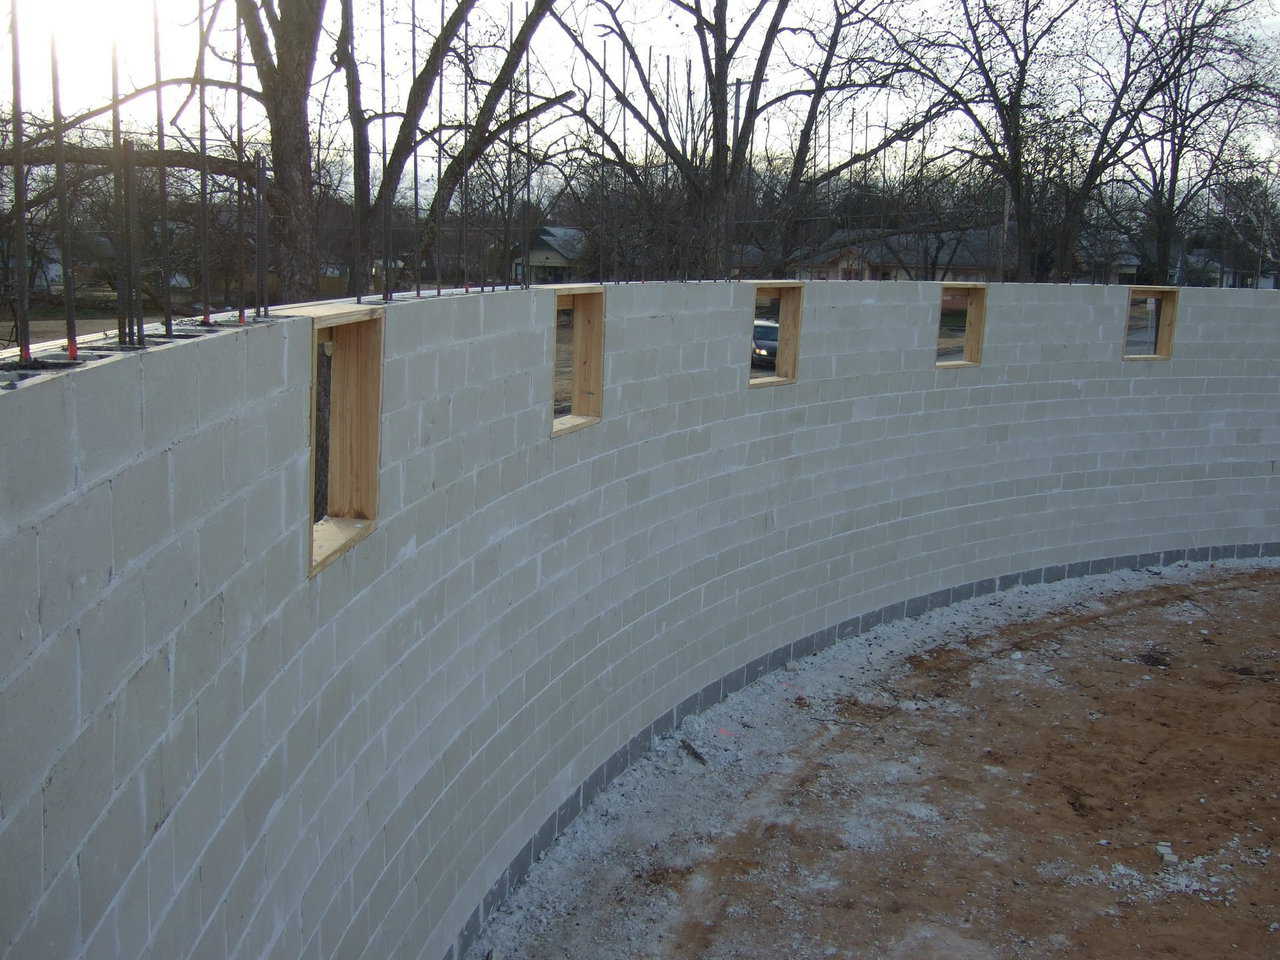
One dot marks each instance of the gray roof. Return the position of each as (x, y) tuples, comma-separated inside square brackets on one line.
[(569, 242)]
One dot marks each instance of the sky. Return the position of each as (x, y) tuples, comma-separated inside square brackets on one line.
[(85, 31)]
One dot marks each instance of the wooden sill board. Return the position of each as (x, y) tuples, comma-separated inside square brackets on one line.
[(562, 425), (333, 536), (955, 364), (769, 381)]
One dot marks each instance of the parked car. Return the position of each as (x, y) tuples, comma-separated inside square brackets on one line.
[(764, 344)]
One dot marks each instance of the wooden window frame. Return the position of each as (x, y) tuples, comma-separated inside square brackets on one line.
[(355, 427), (790, 312), (1168, 297), (586, 404), (975, 327)]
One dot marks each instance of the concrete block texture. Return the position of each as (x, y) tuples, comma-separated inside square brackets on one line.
[(204, 751)]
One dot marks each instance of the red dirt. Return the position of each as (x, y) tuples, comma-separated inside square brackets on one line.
[(1006, 799)]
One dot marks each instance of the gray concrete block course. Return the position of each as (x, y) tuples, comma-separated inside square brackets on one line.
[(531, 606)]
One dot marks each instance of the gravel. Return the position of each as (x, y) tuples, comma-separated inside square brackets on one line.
[(666, 810)]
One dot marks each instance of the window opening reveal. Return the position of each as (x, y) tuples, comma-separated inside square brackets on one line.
[(578, 375), (1149, 327), (346, 399), (775, 335), (960, 325)]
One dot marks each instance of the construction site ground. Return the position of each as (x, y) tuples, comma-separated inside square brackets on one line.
[(1088, 769)]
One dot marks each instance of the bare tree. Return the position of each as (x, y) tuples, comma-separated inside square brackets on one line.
[(284, 37), (482, 131), (707, 139), (1196, 128), (1063, 82)]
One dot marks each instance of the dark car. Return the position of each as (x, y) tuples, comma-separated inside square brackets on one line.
[(764, 344)]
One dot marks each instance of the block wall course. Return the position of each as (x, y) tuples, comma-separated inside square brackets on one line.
[(215, 754)]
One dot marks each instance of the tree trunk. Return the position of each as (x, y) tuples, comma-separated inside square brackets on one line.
[(292, 233), (345, 57), (284, 61)]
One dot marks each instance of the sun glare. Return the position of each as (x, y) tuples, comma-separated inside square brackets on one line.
[(84, 31)]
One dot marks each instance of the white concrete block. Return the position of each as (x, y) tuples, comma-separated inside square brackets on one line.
[(112, 639), (220, 385), (169, 395), (142, 713), (109, 855), (38, 468), (55, 929), (21, 865), (76, 792), (20, 599), (76, 557), (108, 415)]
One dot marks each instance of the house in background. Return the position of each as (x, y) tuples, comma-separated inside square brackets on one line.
[(1213, 269), (969, 255), (555, 256), (957, 255)]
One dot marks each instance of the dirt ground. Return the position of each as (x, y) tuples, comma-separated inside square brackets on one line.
[(1098, 783)]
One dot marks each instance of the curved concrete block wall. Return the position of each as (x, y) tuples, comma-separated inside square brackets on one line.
[(205, 753)]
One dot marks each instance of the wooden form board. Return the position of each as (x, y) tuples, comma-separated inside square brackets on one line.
[(355, 417), (975, 295), (1168, 299), (790, 296), (571, 289), (587, 396), (333, 314)]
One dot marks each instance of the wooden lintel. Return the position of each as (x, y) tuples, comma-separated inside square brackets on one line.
[(564, 289), (334, 314)]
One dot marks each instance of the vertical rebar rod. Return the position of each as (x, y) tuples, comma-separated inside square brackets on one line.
[(21, 321), (163, 170), (666, 118), (260, 235), (123, 330), (241, 292), (382, 187), (64, 204), (687, 138), (359, 261), (466, 132), (528, 167), (206, 320), (625, 274), (436, 245), (603, 232), (131, 240), (732, 262), (648, 173), (417, 197), (507, 186)]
